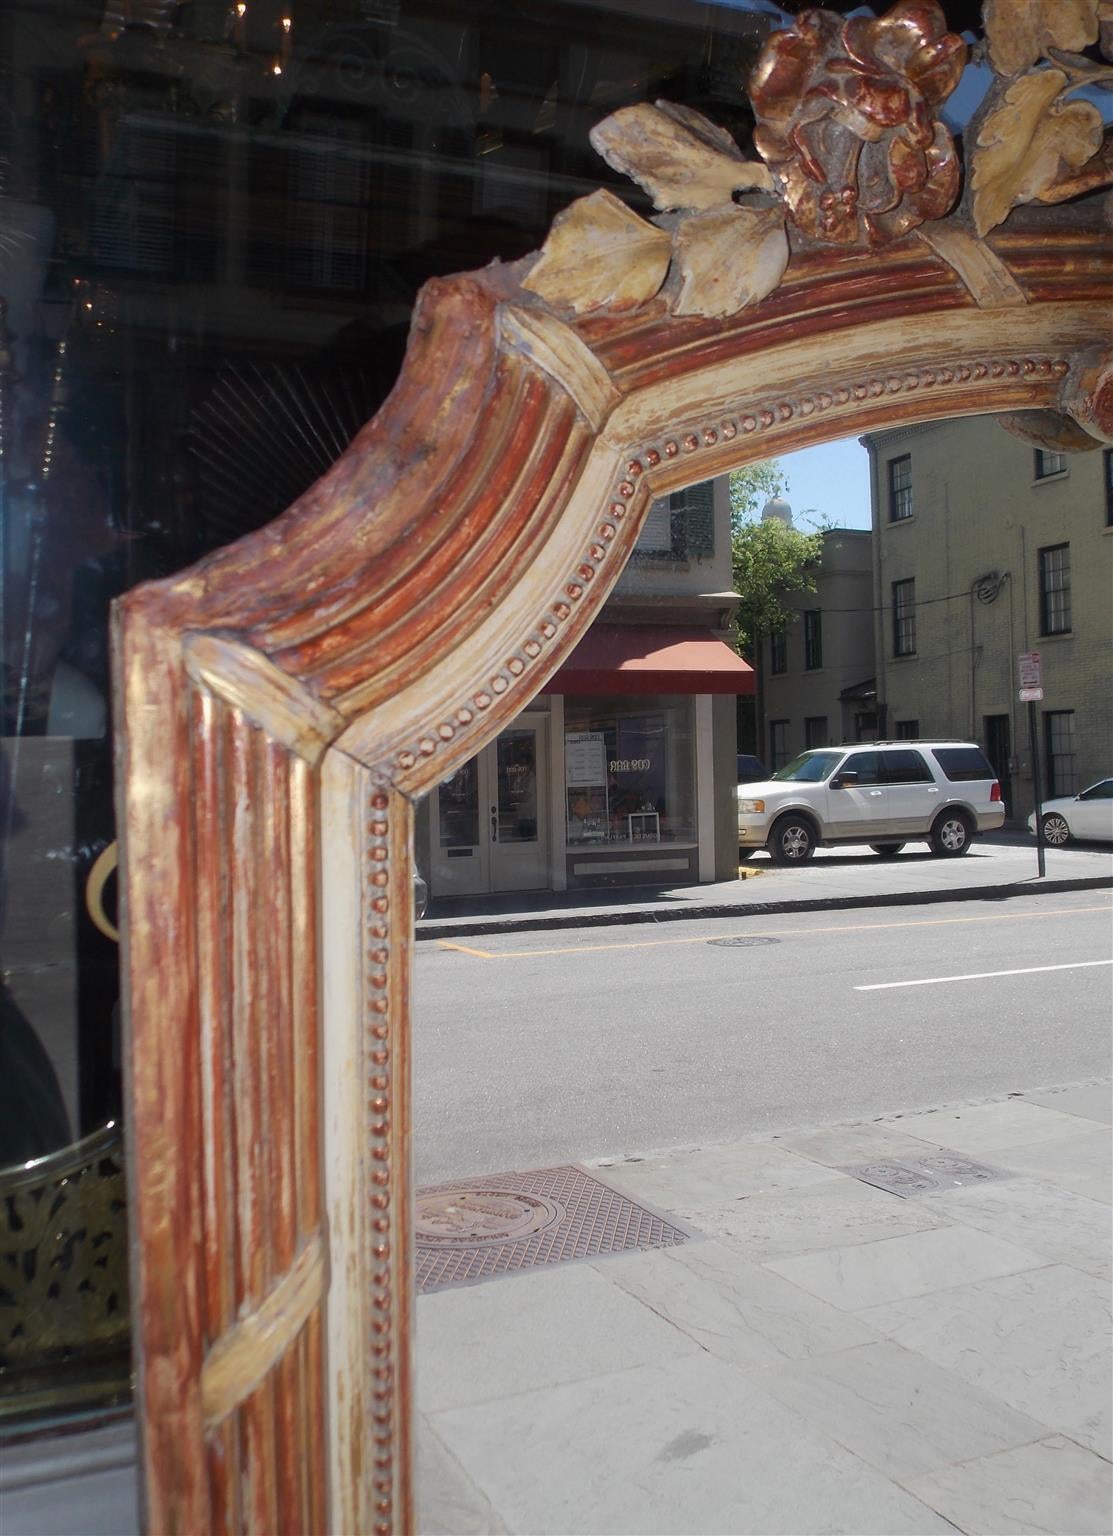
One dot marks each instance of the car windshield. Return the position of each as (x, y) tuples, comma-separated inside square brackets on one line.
[(810, 767)]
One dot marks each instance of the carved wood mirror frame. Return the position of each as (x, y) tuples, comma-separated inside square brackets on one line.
[(282, 705)]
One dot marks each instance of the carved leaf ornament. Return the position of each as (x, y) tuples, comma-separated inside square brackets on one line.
[(1020, 32), (852, 153), (1028, 143)]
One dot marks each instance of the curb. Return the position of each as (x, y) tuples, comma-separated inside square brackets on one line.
[(610, 917)]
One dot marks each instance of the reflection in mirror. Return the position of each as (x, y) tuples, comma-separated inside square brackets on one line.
[(213, 224), (917, 564), (211, 238)]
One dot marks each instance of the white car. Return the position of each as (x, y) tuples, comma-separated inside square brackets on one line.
[(885, 793), (1088, 815)]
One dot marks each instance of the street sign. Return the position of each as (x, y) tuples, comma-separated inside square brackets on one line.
[(1030, 674), (1031, 695)]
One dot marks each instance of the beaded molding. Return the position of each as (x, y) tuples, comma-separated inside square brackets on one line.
[(757, 420), (377, 875)]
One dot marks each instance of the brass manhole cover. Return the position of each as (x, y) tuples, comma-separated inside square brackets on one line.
[(474, 1229), (475, 1216)]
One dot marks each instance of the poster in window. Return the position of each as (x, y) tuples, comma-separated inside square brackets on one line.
[(585, 758)]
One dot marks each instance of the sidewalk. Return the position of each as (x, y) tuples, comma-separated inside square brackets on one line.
[(1001, 864), (821, 1355)]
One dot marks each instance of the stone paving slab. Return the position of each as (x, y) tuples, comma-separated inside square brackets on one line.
[(540, 1328), (879, 1375), (711, 1175), (1056, 1223), (733, 1309), (1038, 1340), (898, 1411), (1079, 1163), (837, 1213), (1053, 1485), (919, 1263), (981, 1128), (449, 1503), (690, 1446), (1091, 1101)]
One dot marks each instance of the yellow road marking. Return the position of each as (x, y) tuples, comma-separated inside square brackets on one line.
[(928, 922)]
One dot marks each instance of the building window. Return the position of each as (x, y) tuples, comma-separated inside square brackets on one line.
[(778, 652), (629, 757), (904, 618), (813, 639), (815, 731), (1058, 726), (778, 744), (680, 526), (692, 522), (1048, 463), (900, 488), (1055, 590), (908, 730)]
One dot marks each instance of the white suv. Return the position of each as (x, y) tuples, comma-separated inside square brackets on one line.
[(885, 793)]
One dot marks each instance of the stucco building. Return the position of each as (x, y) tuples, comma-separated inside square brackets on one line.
[(622, 771), (818, 673), (986, 548)]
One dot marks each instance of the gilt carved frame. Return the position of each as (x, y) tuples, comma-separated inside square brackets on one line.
[(282, 705)]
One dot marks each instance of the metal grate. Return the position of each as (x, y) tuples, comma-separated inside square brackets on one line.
[(928, 1175), (473, 1229)]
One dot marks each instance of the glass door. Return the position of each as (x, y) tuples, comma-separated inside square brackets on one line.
[(518, 809), (460, 856), (491, 818)]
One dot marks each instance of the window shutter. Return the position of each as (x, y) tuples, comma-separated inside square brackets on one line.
[(693, 522)]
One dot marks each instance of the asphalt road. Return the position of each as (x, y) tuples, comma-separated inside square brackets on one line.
[(537, 1048)]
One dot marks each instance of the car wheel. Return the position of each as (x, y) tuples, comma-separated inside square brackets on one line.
[(950, 836), (887, 850), (1055, 830), (792, 840)]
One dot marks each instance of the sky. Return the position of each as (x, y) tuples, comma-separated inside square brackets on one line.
[(831, 482)]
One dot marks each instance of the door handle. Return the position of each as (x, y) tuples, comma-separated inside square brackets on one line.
[(494, 824)]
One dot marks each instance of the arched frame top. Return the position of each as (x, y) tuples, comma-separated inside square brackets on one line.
[(281, 705), (436, 576)]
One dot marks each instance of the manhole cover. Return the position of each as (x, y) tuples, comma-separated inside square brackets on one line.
[(934, 1173), (474, 1229), (475, 1216), (742, 943)]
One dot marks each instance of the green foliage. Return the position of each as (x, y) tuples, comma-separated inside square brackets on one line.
[(752, 487), (770, 559)]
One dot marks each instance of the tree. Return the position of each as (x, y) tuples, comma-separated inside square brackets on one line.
[(751, 488), (770, 559)]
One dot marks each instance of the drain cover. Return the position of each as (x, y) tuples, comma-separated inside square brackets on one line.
[(473, 1229), (742, 942), (927, 1175), (475, 1216)]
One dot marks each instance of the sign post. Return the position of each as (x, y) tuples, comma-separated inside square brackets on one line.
[(1031, 693)]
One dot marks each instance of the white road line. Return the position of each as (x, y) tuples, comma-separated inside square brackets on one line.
[(1026, 970)]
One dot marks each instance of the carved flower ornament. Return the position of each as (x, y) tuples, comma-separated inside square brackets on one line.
[(852, 154), (844, 121)]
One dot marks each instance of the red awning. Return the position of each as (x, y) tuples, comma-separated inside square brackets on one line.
[(620, 658)]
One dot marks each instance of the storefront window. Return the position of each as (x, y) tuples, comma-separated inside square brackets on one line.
[(214, 222), (629, 771)]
